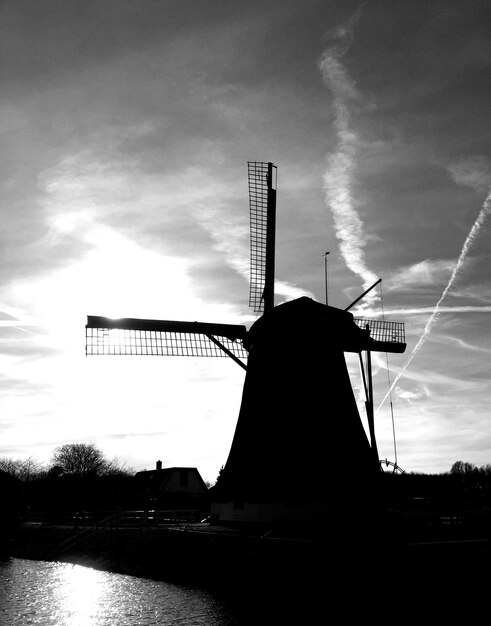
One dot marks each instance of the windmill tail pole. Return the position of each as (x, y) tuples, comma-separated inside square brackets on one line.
[(270, 242), (363, 295)]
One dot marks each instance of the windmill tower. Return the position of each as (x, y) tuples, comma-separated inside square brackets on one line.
[(298, 422)]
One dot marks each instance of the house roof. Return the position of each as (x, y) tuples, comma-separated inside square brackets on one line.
[(158, 478)]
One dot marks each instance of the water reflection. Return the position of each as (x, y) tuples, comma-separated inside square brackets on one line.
[(60, 594), (80, 592)]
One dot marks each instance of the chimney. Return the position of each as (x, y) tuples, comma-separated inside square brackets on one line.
[(159, 465)]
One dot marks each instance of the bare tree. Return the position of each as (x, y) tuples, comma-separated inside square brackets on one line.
[(117, 468), (24, 469), (462, 468), (79, 459), (9, 466)]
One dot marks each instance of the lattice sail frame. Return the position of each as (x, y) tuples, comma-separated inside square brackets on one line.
[(104, 336), (259, 201), (128, 336), (383, 331)]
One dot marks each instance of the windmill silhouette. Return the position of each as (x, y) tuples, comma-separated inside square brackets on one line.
[(298, 422)]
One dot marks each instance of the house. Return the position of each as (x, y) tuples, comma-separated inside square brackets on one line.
[(171, 487)]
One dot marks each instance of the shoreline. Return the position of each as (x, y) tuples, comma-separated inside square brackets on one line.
[(205, 555), (434, 577)]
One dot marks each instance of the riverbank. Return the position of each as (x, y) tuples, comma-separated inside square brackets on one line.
[(223, 558), (197, 554), (265, 576), (290, 576)]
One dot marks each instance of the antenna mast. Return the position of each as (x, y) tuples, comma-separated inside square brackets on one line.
[(326, 276)]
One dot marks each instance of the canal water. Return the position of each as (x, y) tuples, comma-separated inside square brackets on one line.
[(61, 594)]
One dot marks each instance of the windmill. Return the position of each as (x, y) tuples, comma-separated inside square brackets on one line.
[(298, 421)]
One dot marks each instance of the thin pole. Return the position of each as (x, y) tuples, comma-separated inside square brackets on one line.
[(362, 369), (393, 431), (389, 385), (325, 275), (370, 413)]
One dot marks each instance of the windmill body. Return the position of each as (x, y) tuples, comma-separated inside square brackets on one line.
[(298, 420)]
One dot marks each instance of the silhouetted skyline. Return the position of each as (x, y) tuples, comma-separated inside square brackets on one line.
[(126, 131)]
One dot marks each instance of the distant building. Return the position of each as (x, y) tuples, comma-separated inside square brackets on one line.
[(171, 487)]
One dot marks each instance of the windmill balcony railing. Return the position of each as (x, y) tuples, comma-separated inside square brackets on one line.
[(383, 331)]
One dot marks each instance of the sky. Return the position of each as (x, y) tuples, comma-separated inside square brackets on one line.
[(126, 128)]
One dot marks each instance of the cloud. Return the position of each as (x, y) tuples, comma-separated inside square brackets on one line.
[(427, 378), (474, 172), (19, 387), (339, 178), (411, 396), (467, 346), (425, 273)]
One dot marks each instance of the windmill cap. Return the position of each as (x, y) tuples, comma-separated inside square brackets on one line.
[(303, 316)]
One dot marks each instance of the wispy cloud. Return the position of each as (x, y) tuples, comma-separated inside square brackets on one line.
[(467, 346), (424, 273), (339, 176), (474, 172), (413, 396)]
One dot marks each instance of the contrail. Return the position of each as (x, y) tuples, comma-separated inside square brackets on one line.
[(473, 233), (24, 330), (338, 178), (459, 308)]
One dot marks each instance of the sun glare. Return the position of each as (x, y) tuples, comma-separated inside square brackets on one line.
[(117, 278), (80, 595)]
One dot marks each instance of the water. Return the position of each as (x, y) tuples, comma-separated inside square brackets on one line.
[(45, 593), (62, 594)]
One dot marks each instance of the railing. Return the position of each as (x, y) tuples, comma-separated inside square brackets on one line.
[(381, 330), (114, 519)]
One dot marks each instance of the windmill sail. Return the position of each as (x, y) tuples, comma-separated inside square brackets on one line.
[(262, 205), (129, 336)]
